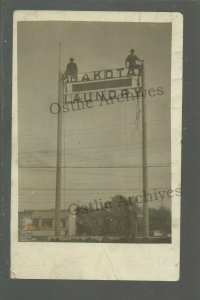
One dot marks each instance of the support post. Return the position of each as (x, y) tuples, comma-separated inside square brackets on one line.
[(59, 151), (144, 162)]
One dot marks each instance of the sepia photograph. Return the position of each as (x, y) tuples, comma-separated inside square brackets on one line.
[(94, 154)]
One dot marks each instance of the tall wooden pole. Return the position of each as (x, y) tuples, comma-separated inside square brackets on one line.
[(144, 161), (59, 150)]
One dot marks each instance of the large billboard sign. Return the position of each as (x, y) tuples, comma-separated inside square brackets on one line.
[(102, 85)]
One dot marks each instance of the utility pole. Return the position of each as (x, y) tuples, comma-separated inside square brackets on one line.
[(59, 149), (144, 162)]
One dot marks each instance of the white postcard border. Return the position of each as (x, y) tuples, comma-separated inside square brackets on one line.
[(90, 260)]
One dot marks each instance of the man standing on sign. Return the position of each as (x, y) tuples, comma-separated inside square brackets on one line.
[(71, 71), (131, 64)]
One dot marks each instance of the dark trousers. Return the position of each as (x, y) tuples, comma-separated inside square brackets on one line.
[(72, 78), (132, 68)]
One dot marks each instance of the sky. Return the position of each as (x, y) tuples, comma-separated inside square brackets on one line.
[(101, 146)]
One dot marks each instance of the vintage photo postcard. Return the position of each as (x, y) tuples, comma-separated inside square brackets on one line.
[(96, 145)]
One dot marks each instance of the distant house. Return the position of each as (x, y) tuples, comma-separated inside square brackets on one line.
[(40, 224)]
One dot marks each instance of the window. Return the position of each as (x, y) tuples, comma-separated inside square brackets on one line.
[(47, 223), (36, 223)]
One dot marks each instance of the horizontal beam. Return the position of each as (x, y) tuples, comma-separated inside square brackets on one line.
[(105, 84)]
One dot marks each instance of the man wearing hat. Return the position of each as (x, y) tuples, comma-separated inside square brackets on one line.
[(71, 71), (131, 64)]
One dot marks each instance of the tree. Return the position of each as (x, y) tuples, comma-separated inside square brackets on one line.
[(119, 220), (124, 216), (160, 219)]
